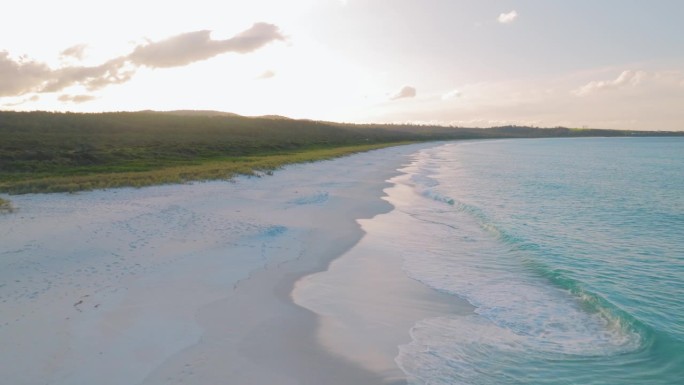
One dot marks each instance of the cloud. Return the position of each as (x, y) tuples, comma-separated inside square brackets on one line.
[(266, 75), (75, 52), (115, 71), (191, 47), (454, 94), (21, 76), (33, 98), (405, 92), (628, 78), (75, 98), (506, 18)]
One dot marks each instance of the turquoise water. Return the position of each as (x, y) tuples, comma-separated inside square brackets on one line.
[(571, 250)]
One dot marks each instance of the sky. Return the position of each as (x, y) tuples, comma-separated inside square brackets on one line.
[(616, 64)]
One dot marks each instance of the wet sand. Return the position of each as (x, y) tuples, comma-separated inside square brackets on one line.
[(192, 284)]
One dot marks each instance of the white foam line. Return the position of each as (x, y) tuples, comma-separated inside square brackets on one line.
[(163, 315)]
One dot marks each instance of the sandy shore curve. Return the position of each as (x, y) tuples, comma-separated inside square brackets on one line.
[(185, 284)]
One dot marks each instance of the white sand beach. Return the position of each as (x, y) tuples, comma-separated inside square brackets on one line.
[(192, 284)]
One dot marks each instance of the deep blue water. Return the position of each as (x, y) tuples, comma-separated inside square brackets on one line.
[(571, 250)]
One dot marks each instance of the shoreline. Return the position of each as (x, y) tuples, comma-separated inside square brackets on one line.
[(184, 284), (367, 303), (272, 339)]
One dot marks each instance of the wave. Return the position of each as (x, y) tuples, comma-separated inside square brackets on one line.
[(524, 251), (536, 319), (526, 312)]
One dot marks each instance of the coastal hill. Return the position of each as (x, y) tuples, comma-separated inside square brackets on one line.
[(50, 152)]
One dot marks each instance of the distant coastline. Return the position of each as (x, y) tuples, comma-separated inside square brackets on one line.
[(44, 152)]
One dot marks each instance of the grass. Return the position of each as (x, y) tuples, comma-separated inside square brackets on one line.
[(67, 152), (58, 152), (206, 170)]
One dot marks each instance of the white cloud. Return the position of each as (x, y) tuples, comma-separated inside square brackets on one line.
[(115, 71), (75, 98), (266, 75), (506, 18), (191, 47), (21, 76), (628, 78), (405, 92), (33, 98), (453, 94), (646, 99), (75, 52)]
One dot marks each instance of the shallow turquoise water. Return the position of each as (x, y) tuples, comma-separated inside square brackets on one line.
[(572, 250)]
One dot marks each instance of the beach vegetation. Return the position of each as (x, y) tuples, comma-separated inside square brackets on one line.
[(67, 152)]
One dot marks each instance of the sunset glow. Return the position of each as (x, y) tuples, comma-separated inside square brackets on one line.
[(609, 64)]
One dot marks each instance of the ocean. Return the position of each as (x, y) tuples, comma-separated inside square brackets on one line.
[(570, 250)]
